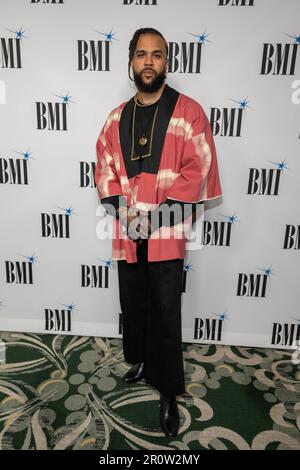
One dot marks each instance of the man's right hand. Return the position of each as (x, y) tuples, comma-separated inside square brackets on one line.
[(129, 217)]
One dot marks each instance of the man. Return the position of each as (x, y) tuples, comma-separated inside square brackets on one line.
[(155, 151)]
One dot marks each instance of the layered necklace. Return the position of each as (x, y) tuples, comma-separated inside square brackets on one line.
[(142, 140)]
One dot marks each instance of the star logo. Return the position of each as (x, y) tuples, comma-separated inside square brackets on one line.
[(243, 104), (280, 165), (221, 316), (107, 262), (68, 210), (70, 307), (232, 219), (267, 271), (295, 37), (26, 155), (31, 259), (108, 36), (202, 38), (19, 33), (187, 267), (66, 99)]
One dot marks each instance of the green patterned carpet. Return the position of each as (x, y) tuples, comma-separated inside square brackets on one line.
[(66, 392)]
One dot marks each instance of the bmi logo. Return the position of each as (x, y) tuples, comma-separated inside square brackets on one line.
[(56, 225), (185, 57), (292, 237), (87, 174), (10, 50), (265, 182), (15, 170), (20, 272), (209, 329), (96, 276), (280, 58), (253, 285), (227, 122), (53, 115), (95, 55), (218, 233), (57, 319), (286, 334)]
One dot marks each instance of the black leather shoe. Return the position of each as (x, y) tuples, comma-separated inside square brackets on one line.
[(135, 373), (169, 416)]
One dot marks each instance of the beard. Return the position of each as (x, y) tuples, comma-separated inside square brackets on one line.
[(151, 87)]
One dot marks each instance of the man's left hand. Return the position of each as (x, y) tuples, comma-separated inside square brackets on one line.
[(145, 228)]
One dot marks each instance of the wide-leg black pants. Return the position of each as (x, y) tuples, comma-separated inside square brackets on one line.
[(150, 298)]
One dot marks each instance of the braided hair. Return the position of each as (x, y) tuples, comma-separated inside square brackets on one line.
[(134, 41)]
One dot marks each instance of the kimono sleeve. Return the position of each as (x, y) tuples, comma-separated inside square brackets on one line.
[(198, 179), (106, 177)]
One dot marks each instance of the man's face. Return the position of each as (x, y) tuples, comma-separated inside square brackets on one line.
[(149, 63)]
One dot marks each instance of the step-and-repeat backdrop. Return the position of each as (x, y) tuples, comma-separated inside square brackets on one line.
[(63, 67)]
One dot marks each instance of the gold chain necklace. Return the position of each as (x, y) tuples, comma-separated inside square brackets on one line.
[(143, 140)]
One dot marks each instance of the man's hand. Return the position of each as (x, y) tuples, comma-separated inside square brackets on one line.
[(145, 226), (129, 217), (136, 223), (133, 223)]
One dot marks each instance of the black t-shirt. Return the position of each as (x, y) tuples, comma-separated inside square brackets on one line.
[(144, 116)]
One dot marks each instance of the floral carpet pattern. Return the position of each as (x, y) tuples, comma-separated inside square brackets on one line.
[(66, 392)]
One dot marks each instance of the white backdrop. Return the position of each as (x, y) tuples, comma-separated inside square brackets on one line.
[(242, 290)]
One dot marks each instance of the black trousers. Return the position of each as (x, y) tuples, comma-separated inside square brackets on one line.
[(150, 298)]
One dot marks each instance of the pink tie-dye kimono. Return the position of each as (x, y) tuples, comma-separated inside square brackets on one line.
[(183, 167)]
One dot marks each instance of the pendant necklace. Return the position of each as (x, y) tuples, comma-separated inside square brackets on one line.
[(143, 140)]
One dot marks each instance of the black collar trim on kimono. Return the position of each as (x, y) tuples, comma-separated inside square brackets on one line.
[(167, 104)]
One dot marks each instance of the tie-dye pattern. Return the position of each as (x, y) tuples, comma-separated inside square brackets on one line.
[(188, 172)]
